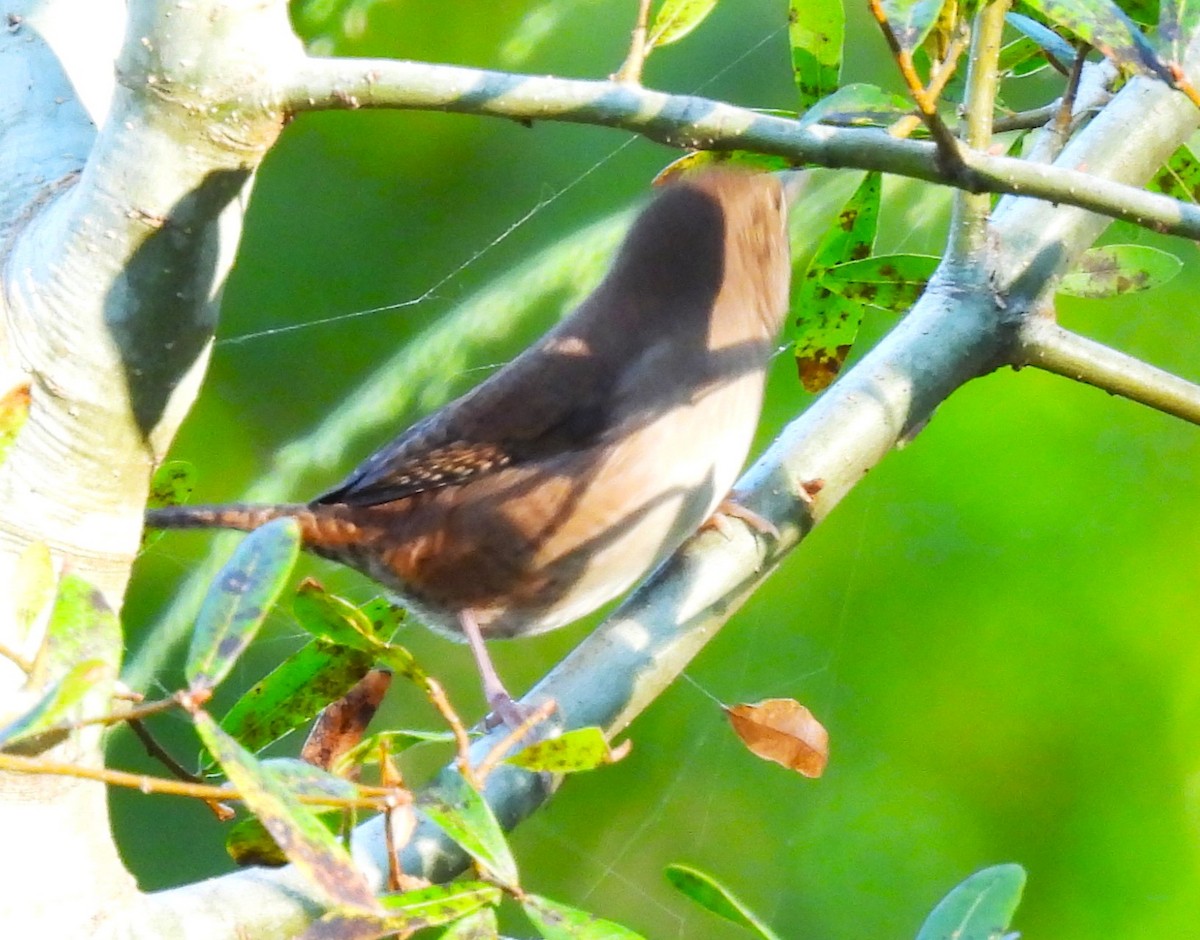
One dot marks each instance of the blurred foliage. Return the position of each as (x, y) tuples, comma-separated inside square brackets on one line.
[(996, 626)]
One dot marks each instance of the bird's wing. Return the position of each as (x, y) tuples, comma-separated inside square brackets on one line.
[(497, 425)]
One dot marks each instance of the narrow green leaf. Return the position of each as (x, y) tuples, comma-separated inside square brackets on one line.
[(713, 896), (317, 855), (556, 921), (294, 692), (703, 158), (384, 617), (14, 410), (816, 32), (911, 20), (1020, 58), (249, 843), (172, 484), (858, 105), (1105, 27), (1046, 39), (333, 618), (368, 749), (59, 704), (823, 325), (675, 19), (466, 818), (1119, 269), (304, 779), (407, 912), (336, 619), (572, 751), (890, 282), (1179, 177), (238, 601), (82, 626), (980, 908), (444, 902), (478, 926)]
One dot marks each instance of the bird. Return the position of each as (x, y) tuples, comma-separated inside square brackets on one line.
[(572, 471)]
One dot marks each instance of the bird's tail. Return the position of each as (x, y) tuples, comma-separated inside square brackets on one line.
[(244, 517)]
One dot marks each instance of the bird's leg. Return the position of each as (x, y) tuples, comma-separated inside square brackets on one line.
[(503, 708)]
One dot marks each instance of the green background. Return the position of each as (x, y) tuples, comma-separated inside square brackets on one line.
[(998, 626)]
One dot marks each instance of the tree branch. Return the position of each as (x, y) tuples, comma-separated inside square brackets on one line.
[(1046, 345), (701, 123)]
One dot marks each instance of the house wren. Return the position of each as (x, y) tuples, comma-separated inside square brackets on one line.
[(565, 476)]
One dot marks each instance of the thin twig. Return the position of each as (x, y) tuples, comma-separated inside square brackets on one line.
[(702, 123), (949, 154), (462, 742), (1046, 345), (25, 665), (514, 737), (968, 226), (16, 763), (630, 72), (222, 811)]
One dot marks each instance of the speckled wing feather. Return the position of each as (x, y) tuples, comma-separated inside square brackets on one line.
[(459, 443)]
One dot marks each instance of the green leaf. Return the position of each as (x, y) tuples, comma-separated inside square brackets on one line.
[(336, 619), (333, 618), (14, 410), (238, 601), (858, 105), (713, 896), (82, 626), (1119, 269), (478, 926), (816, 32), (294, 692), (304, 779), (1047, 40), (367, 750), (61, 703), (384, 616), (466, 818), (890, 282), (980, 908), (1179, 177), (572, 751), (911, 20), (318, 856), (703, 158), (556, 921), (823, 325), (1105, 27), (172, 484), (407, 912), (249, 843), (675, 19)]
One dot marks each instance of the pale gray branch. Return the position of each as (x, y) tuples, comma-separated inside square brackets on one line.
[(701, 123), (1045, 344)]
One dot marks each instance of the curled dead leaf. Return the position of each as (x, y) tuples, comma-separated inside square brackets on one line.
[(784, 731)]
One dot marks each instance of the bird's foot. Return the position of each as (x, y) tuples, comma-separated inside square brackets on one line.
[(730, 508), (513, 715)]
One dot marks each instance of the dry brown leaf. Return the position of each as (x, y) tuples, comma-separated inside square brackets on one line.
[(342, 723), (784, 731)]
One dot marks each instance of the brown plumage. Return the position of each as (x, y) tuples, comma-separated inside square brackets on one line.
[(560, 480)]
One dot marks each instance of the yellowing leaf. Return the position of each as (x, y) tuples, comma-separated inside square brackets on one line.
[(677, 18)]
